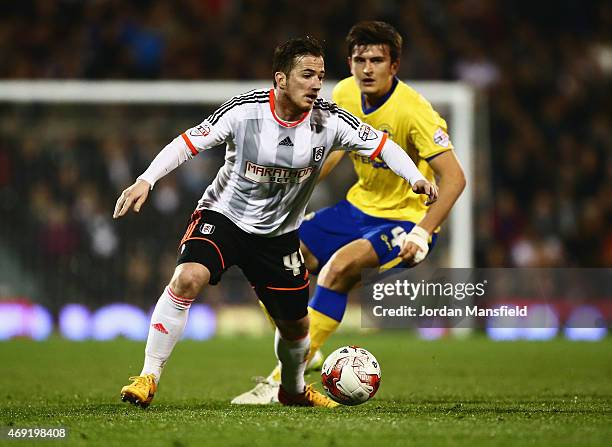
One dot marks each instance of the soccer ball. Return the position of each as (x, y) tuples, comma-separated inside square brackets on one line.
[(350, 375)]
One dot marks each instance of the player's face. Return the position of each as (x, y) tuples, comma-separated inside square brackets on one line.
[(371, 65), (304, 82)]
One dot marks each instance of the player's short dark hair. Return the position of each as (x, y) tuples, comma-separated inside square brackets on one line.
[(371, 32), (286, 54)]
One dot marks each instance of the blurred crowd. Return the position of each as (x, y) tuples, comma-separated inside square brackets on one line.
[(543, 72)]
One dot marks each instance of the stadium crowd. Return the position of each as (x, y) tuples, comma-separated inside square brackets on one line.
[(543, 71)]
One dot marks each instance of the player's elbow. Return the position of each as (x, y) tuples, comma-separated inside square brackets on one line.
[(453, 180), (461, 181)]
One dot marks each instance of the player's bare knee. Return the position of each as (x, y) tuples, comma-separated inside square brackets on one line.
[(188, 280), (293, 330), (340, 273)]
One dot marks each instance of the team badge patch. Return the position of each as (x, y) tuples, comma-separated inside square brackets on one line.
[(200, 131), (317, 153), (366, 133), (441, 138), (206, 228)]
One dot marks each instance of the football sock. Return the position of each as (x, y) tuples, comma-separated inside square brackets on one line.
[(167, 325), (292, 357), (326, 309)]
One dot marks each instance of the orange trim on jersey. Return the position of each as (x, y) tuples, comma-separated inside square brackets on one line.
[(214, 245), (280, 121), (191, 227), (380, 146), (306, 273), (189, 144), (290, 288)]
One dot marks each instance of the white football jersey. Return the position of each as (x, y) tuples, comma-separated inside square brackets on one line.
[(271, 166)]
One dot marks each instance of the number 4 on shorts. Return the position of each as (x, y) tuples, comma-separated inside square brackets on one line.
[(293, 262)]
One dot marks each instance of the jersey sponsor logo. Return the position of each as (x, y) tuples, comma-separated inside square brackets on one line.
[(273, 174), (207, 228), (286, 142), (377, 163), (441, 138), (366, 133), (317, 153), (200, 131)]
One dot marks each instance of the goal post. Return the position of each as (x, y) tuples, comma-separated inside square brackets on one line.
[(457, 98)]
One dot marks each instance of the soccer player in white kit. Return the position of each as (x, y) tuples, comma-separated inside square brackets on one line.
[(276, 142)]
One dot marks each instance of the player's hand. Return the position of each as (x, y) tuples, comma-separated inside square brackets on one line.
[(424, 187), (134, 195), (415, 246)]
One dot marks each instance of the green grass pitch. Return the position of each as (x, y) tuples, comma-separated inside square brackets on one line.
[(451, 392)]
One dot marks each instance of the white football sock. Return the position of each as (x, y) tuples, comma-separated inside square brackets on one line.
[(292, 357), (167, 325)]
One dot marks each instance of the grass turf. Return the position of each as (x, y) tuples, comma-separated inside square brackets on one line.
[(468, 392)]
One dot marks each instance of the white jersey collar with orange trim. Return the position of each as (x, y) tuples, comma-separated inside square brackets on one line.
[(279, 120)]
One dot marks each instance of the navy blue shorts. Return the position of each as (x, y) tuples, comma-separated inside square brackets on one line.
[(331, 228)]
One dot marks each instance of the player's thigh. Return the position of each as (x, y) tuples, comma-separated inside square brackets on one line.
[(211, 242), (276, 270), (326, 231), (347, 264), (386, 240)]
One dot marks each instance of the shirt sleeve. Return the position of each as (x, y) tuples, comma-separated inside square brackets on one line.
[(211, 132), (355, 135), (428, 132)]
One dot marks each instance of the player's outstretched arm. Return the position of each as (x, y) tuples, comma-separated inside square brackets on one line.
[(451, 184), (451, 181), (429, 189), (400, 163), (134, 196)]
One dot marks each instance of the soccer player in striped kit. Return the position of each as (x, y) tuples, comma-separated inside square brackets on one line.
[(382, 223), (276, 142)]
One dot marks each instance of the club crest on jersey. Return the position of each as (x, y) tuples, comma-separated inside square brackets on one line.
[(207, 228), (441, 138), (366, 133), (200, 131), (317, 153)]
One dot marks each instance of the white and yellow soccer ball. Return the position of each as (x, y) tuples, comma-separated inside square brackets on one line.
[(350, 375)]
